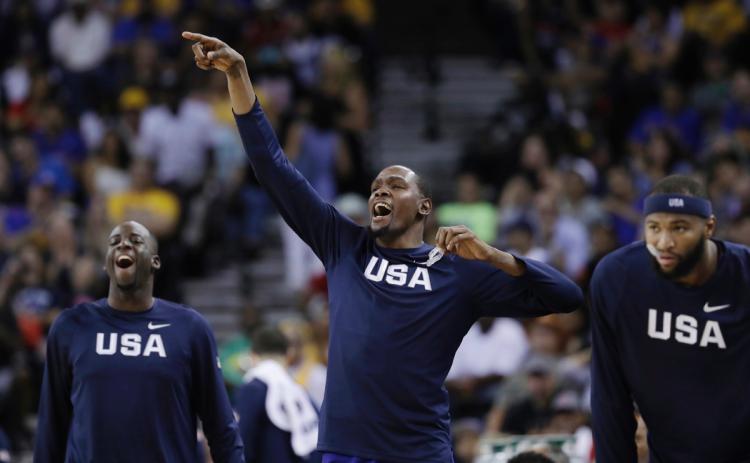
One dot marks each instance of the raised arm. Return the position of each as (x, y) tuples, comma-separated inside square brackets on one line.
[(212, 53), (502, 285), (315, 221)]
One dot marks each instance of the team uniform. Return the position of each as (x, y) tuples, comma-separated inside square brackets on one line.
[(397, 317), (127, 386), (682, 354), (278, 421)]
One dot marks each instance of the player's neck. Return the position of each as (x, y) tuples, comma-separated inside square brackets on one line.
[(136, 300), (411, 238), (705, 267)]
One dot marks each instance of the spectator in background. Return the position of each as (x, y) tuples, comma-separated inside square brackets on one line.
[(579, 177), (27, 166), (234, 353), (466, 434), (278, 422), (737, 113), (131, 102), (157, 208), (31, 298), (305, 358), (470, 209), (340, 81), (62, 252), (178, 136), (673, 115), (106, 172), (55, 139), (31, 217), (516, 199), (716, 21), (565, 238), (711, 94), (474, 376), (145, 19), (320, 153), (603, 241), (662, 155), (623, 204), (533, 411), (535, 159), (518, 238), (725, 175), (84, 77)]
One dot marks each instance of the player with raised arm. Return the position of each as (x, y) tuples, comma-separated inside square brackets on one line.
[(398, 307), (128, 376), (671, 334)]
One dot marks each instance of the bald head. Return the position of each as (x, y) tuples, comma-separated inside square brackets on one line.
[(409, 175), (137, 227)]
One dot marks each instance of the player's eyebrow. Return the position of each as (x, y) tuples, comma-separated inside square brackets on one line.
[(119, 235)]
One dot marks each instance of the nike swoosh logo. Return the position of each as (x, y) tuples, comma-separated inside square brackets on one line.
[(708, 309), (152, 326)]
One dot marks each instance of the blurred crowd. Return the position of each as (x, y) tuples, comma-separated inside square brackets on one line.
[(103, 117)]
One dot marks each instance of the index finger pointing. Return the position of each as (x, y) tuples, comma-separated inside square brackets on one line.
[(194, 36)]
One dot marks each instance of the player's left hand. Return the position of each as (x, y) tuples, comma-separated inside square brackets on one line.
[(463, 242)]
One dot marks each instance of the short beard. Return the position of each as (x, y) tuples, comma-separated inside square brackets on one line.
[(686, 266), (377, 234)]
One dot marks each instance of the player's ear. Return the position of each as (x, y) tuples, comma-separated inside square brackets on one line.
[(710, 226), (155, 263), (425, 206)]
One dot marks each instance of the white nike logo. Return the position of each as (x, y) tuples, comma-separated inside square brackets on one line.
[(708, 309), (151, 326)]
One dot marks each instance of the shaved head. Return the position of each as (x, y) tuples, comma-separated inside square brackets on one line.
[(411, 175), (153, 243)]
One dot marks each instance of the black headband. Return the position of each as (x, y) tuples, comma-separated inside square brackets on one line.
[(677, 204)]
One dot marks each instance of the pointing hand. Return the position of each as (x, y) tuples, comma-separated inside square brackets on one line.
[(212, 53)]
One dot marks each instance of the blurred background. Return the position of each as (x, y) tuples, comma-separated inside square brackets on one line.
[(540, 124)]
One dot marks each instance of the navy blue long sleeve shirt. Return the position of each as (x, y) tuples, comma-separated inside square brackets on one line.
[(395, 323), (129, 386), (682, 354)]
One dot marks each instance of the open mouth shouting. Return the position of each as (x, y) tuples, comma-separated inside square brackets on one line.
[(381, 211), (124, 261)]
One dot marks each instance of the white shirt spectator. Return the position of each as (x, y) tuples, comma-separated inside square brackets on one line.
[(499, 351), (80, 46), (178, 142), (16, 83), (571, 239)]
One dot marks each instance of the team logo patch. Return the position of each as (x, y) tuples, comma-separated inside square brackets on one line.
[(676, 202)]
